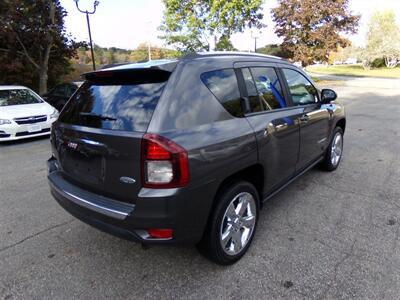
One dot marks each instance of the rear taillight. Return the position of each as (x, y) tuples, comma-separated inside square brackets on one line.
[(165, 164)]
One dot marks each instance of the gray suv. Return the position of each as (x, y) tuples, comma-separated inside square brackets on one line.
[(188, 150)]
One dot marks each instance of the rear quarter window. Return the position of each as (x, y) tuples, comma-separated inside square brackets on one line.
[(223, 85), (123, 107)]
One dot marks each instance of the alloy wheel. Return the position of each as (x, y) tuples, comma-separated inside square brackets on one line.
[(238, 223), (337, 148)]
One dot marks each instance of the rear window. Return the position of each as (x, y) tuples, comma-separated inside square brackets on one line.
[(124, 107), (223, 84)]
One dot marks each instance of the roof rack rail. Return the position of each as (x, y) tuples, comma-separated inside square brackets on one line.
[(227, 53)]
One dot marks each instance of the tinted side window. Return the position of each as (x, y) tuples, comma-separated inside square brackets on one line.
[(254, 99), (268, 87), (302, 91), (223, 84), (70, 90), (59, 90)]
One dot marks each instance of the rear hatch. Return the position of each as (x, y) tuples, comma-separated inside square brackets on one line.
[(97, 138)]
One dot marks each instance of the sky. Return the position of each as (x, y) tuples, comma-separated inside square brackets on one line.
[(127, 23)]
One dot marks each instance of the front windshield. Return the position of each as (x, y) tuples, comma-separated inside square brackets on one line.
[(17, 97)]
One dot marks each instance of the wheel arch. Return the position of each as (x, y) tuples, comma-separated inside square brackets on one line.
[(341, 123), (208, 245), (254, 174)]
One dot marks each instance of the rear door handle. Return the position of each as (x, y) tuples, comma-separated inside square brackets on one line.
[(304, 118), (271, 128), (281, 127)]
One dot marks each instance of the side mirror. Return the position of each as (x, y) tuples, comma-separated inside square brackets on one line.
[(328, 95)]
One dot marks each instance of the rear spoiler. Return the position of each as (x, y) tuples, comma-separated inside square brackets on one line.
[(127, 76), (163, 65)]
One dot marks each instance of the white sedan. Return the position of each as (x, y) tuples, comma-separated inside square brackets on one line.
[(23, 114)]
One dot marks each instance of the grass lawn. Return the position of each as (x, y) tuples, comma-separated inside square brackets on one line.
[(355, 70)]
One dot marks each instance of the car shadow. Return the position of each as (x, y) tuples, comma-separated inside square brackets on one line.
[(24, 141), (177, 270)]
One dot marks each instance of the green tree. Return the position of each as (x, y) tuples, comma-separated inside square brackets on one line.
[(141, 53), (383, 39), (274, 49), (81, 55), (191, 25), (225, 43), (34, 46), (343, 54), (111, 55), (99, 55), (312, 28)]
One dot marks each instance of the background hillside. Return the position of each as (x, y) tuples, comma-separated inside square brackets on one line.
[(82, 63)]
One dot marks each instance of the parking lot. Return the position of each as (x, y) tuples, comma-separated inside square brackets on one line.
[(328, 235)]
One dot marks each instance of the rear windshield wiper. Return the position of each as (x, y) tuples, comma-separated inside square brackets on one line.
[(97, 116)]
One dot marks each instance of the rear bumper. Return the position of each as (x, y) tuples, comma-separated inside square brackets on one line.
[(183, 210), (102, 205)]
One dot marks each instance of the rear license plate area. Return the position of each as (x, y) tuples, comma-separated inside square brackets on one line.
[(89, 168)]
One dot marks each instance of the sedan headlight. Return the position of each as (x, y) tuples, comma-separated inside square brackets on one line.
[(4, 121), (54, 114)]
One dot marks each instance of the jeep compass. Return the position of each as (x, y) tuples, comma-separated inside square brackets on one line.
[(187, 150)]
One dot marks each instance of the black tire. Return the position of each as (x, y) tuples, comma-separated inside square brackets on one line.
[(328, 163), (211, 245)]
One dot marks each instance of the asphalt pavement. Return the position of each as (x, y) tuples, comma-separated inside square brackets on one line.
[(327, 236)]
